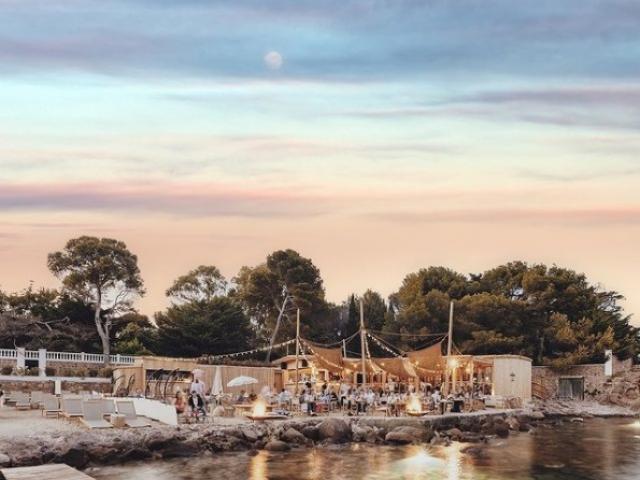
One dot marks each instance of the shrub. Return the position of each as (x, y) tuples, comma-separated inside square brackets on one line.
[(50, 371), (32, 372), (6, 370), (93, 372)]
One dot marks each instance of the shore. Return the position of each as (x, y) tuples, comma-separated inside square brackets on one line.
[(28, 439)]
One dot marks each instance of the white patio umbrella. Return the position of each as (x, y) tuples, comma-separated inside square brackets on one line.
[(241, 381), (217, 389)]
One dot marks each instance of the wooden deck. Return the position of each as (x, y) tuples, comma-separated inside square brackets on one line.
[(44, 472)]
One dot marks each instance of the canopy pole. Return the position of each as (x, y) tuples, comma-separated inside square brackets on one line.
[(297, 350), (449, 343), (363, 334)]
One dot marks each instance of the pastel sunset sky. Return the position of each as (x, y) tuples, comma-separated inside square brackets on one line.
[(375, 137)]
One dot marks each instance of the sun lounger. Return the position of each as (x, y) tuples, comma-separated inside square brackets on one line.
[(51, 406), (128, 409), (36, 399), (21, 401), (71, 407), (108, 407), (93, 414)]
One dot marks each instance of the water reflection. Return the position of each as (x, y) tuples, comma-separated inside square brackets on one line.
[(597, 449)]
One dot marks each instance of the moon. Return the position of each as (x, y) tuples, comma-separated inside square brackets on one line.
[(273, 60)]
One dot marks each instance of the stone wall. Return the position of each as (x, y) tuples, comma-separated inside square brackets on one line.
[(68, 385), (594, 378)]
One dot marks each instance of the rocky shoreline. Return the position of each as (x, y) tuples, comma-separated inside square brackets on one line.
[(86, 448)]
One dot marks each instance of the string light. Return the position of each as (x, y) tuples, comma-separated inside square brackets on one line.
[(249, 352)]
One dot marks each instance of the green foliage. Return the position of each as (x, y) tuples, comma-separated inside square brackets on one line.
[(203, 283), (202, 328), (103, 273), (551, 314), (261, 291)]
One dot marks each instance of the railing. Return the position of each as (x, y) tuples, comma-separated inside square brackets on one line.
[(70, 357), (7, 353)]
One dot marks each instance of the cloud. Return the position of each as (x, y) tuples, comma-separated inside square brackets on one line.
[(527, 216), (161, 198)]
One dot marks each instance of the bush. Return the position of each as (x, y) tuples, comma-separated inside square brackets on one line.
[(105, 372), (93, 372), (50, 371), (32, 372), (6, 370)]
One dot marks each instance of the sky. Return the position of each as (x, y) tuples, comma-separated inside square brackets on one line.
[(375, 137)]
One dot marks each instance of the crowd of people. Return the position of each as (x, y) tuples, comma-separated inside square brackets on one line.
[(392, 399)]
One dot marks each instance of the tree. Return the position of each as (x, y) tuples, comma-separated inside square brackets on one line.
[(200, 328), (263, 289), (203, 283), (103, 273)]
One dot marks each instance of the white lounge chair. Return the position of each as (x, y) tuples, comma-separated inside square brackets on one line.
[(22, 401), (36, 399), (93, 415), (51, 406), (128, 409), (108, 407), (71, 407)]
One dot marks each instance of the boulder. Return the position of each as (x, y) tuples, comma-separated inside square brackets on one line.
[(502, 430), (75, 457), (311, 432), (513, 424), (536, 415), (334, 430), (276, 446), (291, 435), (180, 450), (361, 433), (136, 454), (250, 434), (403, 435), (5, 460)]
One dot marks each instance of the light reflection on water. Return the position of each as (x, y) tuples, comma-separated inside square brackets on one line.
[(595, 450)]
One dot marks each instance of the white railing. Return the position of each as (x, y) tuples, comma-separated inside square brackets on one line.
[(7, 353), (71, 357)]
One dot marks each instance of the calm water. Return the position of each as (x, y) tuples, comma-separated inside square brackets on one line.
[(595, 450)]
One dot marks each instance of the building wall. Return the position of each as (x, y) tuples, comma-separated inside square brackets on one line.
[(512, 377), (594, 377), (18, 384)]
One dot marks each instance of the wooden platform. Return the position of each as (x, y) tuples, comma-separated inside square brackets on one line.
[(57, 471)]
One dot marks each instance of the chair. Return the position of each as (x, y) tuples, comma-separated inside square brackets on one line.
[(108, 406), (51, 406), (36, 399), (21, 400), (93, 414), (72, 407), (128, 409)]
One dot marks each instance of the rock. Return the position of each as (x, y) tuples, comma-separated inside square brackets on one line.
[(250, 434), (476, 452), (577, 420), (524, 427), (470, 437), (75, 457), (502, 431), (537, 416), (453, 433), (513, 424), (403, 435), (361, 433), (136, 454), (180, 450), (334, 430), (311, 432), (291, 435), (5, 460), (276, 446)]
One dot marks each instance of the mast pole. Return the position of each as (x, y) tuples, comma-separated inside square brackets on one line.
[(297, 350), (363, 334)]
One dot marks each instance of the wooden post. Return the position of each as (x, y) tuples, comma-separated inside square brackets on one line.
[(344, 348), (449, 343), (297, 350), (363, 334)]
